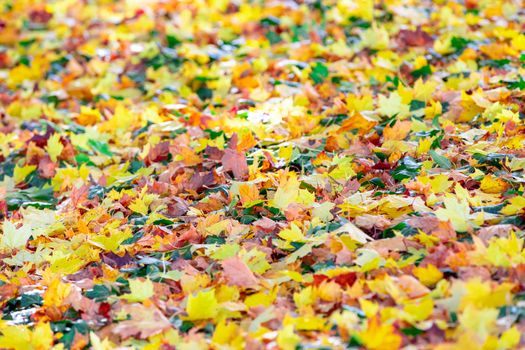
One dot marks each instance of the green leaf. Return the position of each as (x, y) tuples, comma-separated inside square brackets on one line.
[(422, 72), (30, 299), (440, 160), (100, 147), (319, 73), (459, 43), (416, 104), (273, 37), (99, 293), (406, 169), (520, 84)]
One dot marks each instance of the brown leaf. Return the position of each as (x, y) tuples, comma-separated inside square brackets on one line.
[(432, 225), (395, 244), (368, 221), (265, 224), (236, 162), (486, 233), (144, 322), (412, 287), (415, 38), (158, 153), (238, 274), (46, 167)]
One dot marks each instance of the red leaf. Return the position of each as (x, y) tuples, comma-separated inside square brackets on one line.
[(415, 38)]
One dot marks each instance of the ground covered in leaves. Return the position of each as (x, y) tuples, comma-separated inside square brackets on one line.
[(264, 174)]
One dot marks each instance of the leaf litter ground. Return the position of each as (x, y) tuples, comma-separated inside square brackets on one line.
[(264, 174)]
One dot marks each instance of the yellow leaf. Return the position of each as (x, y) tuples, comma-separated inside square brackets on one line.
[(456, 211), (292, 234), (224, 332), (20, 173), (16, 337), (139, 290), (113, 241), (509, 339), (68, 264), (20, 337), (139, 206), (424, 145), (492, 184), (479, 321), (380, 336), (515, 164), (260, 298), (423, 90), (518, 42), (42, 336), (343, 169), (428, 275), (438, 183), (375, 38), (54, 147), (368, 259), (443, 45), (287, 339), (287, 191), (256, 260), (56, 293), (434, 109), (359, 103), (322, 211), (419, 311), (516, 205), (393, 105), (13, 237), (98, 344), (369, 307), (480, 293), (305, 323), (202, 306), (18, 74), (224, 251)]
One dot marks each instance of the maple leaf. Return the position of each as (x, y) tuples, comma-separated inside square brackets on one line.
[(292, 234), (20, 173), (20, 337), (287, 339), (380, 336), (99, 344), (456, 211), (13, 237), (415, 38), (139, 290), (393, 106), (287, 192), (428, 275), (144, 321), (113, 241), (237, 273), (236, 162), (54, 147), (203, 305)]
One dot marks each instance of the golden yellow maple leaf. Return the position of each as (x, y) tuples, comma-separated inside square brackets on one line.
[(202, 305)]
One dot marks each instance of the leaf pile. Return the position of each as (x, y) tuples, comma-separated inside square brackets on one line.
[(262, 174)]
